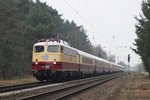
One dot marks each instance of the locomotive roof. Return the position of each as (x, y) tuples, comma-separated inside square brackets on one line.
[(40, 44), (60, 42)]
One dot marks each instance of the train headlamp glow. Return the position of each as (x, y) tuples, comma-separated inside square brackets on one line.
[(36, 63), (54, 62)]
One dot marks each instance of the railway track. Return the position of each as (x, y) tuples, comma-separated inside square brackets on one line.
[(22, 86), (72, 88)]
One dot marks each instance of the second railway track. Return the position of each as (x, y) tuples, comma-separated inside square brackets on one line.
[(23, 86)]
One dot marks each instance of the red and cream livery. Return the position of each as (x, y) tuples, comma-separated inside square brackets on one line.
[(55, 59)]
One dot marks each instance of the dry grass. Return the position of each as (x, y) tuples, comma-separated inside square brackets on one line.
[(137, 87), (27, 79)]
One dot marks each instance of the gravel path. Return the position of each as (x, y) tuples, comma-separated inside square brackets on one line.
[(102, 92), (134, 86)]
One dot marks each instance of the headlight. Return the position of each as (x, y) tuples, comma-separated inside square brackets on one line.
[(54, 62), (36, 63)]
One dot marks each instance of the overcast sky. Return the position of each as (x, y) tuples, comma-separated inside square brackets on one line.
[(109, 23)]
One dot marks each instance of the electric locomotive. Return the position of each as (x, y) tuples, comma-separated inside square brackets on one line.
[(51, 58)]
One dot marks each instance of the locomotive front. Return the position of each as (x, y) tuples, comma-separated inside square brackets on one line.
[(46, 59)]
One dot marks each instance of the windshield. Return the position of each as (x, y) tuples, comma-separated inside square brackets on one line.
[(38, 49), (53, 48)]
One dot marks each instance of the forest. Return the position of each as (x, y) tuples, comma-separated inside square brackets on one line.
[(23, 23)]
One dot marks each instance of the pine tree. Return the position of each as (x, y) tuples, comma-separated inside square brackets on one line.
[(143, 35)]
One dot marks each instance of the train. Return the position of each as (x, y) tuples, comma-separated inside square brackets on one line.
[(55, 59)]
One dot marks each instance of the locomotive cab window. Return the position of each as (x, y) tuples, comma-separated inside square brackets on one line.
[(53, 48), (38, 49)]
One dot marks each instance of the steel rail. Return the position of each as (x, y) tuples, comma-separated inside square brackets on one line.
[(22, 86), (80, 89), (63, 92)]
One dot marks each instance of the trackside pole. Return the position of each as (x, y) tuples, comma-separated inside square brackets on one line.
[(129, 63)]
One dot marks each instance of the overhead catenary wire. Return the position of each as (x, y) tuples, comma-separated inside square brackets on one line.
[(91, 14), (96, 21), (84, 19)]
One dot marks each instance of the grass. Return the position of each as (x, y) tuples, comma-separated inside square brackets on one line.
[(17, 81)]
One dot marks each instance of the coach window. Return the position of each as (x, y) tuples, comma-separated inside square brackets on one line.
[(86, 60), (53, 48), (38, 49)]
